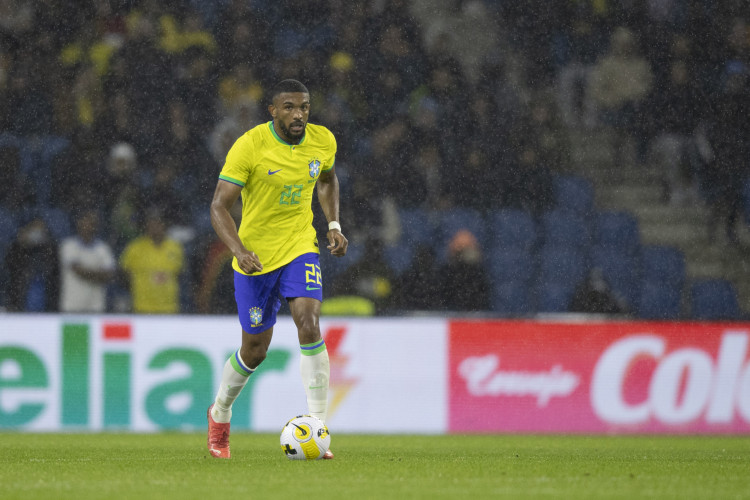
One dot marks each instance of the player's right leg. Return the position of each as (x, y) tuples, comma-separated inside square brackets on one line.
[(257, 303), (234, 377)]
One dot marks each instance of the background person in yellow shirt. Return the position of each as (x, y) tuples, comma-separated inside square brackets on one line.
[(152, 263)]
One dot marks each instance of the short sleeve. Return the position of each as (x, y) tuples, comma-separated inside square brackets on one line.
[(331, 152), (108, 259), (239, 162)]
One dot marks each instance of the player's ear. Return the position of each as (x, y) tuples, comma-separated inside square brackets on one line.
[(272, 110)]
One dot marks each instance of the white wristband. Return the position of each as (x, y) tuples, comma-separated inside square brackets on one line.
[(334, 225)]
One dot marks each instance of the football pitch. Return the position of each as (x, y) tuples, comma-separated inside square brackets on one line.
[(177, 466)]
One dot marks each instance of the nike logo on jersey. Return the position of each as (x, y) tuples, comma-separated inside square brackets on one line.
[(313, 287), (271, 172)]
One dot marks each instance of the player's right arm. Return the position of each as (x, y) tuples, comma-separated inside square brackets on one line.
[(225, 196)]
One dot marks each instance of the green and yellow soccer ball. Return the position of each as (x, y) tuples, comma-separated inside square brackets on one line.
[(305, 438)]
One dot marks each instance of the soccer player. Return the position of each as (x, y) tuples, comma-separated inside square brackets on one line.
[(275, 167)]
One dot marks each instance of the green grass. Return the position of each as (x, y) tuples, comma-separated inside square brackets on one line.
[(177, 466)]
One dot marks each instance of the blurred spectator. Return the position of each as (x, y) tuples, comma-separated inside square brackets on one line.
[(177, 37), (542, 126), (123, 200), (370, 277), (152, 264), (185, 159), (465, 285), (726, 152), (675, 117), (420, 182), (243, 35), (418, 287), (27, 107), (215, 268), (580, 33), (466, 31), (440, 104), (594, 295), (16, 189), (87, 265), (197, 82), (169, 192), (527, 184), (619, 84), (149, 92), (32, 269), (467, 187), (239, 85), (77, 175), (396, 66)]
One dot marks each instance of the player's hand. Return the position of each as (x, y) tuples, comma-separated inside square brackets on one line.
[(249, 262), (337, 243)]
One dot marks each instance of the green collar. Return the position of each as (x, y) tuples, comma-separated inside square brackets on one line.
[(282, 141)]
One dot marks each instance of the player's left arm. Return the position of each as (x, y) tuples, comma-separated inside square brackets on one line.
[(328, 196)]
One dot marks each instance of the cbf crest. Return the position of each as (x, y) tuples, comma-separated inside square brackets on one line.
[(256, 316), (314, 167)]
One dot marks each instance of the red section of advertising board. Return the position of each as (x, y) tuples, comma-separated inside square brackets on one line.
[(117, 331), (517, 376)]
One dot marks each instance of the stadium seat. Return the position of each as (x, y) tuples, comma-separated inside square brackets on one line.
[(416, 229), (621, 270), (575, 194), (554, 297), (562, 228), (416, 226), (511, 264), (617, 230), (398, 257), (8, 227), (714, 299), (512, 228), (512, 298), (659, 300), (664, 264), (562, 264)]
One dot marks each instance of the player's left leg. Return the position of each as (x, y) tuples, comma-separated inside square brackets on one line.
[(314, 364), (301, 284)]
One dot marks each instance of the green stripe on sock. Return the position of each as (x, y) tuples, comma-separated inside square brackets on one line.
[(237, 367), (307, 349)]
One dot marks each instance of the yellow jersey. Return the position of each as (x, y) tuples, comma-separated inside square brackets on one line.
[(278, 180), (154, 274)]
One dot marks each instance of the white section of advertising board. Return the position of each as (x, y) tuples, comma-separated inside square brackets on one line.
[(138, 373)]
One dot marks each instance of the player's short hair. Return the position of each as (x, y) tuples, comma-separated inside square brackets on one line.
[(287, 86)]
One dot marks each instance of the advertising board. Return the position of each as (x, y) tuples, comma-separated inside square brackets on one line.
[(622, 377), (152, 373)]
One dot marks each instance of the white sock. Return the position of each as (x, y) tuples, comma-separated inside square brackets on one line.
[(315, 370), (233, 380)]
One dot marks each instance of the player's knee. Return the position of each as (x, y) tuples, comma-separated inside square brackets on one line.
[(253, 355), (309, 331)]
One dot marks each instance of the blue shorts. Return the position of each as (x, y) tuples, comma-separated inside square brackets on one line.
[(259, 297)]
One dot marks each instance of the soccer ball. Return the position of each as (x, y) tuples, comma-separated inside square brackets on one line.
[(305, 438)]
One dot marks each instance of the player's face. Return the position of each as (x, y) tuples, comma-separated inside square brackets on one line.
[(290, 111)]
